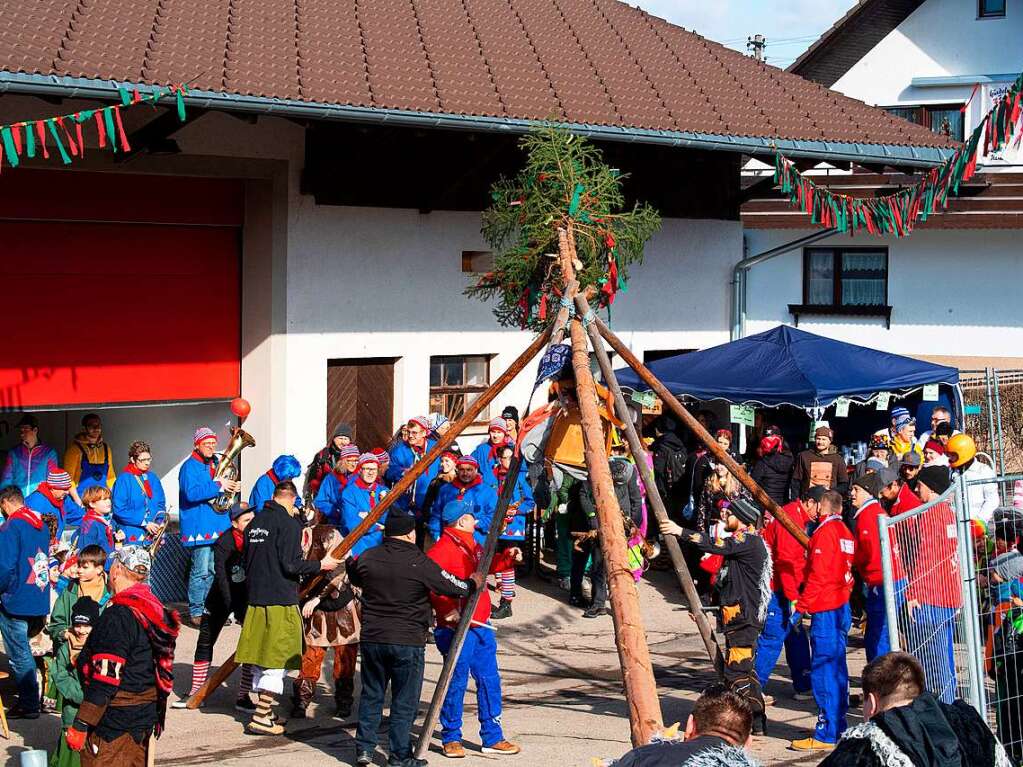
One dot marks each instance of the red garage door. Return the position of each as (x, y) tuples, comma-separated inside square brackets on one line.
[(97, 312)]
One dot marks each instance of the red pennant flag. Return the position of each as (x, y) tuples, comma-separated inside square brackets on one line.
[(101, 129), (41, 135), (120, 130)]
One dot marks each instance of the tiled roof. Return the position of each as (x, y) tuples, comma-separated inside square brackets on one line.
[(596, 62)]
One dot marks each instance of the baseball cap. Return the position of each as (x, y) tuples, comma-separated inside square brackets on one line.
[(912, 458), (134, 558), (454, 511)]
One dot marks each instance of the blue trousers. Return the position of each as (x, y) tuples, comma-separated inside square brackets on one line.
[(401, 667), (478, 658), (932, 632), (829, 674), (200, 579), (876, 639), (776, 635), (14, 630)]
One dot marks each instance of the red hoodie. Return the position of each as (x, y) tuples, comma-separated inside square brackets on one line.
[(787, 553), (829, 579), (868, 546), (458, 553)]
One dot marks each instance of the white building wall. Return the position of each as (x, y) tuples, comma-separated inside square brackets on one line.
[(951, 292)]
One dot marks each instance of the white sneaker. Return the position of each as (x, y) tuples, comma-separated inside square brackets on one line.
[(803, 696), (182, 703)]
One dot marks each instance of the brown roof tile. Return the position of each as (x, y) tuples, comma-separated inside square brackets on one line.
[(597, 62)]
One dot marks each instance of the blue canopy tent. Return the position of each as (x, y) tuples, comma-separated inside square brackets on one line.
[(787, 366)]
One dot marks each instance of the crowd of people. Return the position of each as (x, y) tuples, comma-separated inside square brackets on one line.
[(79, 538)]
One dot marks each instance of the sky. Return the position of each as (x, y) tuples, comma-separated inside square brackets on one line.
[(789, 25)]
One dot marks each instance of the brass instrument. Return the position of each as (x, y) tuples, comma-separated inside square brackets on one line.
[(227, 469)]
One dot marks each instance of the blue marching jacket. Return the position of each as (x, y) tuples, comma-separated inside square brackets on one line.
[(487, 463), (69, 514), (523, 496), (357, 500), (200, 524), (96, 530), (25, 565), (402, 458), (478, 494), (284, 467), (133, 508), (328, 497)]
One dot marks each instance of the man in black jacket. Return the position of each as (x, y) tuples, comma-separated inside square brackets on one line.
[(670, 466), (907, 726), (271, 638), (396, 580)]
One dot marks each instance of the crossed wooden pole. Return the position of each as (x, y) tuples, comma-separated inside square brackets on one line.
[(630, 639)]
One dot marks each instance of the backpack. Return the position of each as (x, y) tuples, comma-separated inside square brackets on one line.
[(674, 469)]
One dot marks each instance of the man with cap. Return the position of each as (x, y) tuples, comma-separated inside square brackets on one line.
[(396, 580), (284, 467), (486, 451), (935, 592), (909, 467), (126, 669), (788, 559), (511, 421), (744, 591), (88, 459), (328, 497), (201, 526), (904, 434), (361, 496), (822, 465), (28, 462), (52, 498), (825, 598), (271, 638), (24, 593), (229, 596), (865, 494), (404, 456), (326, 459), (468, 486), (458, 553)]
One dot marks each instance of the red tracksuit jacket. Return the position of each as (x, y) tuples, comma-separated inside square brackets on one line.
[(788, 555), (936, 580), (458, 553), (868, 546), (829, 579)]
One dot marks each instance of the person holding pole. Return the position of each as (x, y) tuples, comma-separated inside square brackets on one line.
[(458, 553)]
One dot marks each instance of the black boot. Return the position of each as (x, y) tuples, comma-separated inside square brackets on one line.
[(344, 691), (503, 610), (302, 696)]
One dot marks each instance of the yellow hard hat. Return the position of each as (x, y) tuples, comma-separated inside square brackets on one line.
[(960, 450)]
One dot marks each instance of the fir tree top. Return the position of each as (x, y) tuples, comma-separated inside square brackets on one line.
[(565, 179)]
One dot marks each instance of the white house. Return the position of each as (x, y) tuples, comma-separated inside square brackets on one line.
[(945, 292), (305, 238)]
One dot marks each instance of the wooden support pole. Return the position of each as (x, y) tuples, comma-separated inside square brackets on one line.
[(399, 489), (719, 453), (654, 500)]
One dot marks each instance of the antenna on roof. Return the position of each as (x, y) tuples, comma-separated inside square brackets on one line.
[(757, 44)]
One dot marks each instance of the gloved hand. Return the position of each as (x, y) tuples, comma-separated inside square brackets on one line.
[(75, 739)]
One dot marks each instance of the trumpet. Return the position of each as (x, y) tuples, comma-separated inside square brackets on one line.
[(228, 469)]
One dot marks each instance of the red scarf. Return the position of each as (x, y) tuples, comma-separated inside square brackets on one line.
[(31, 516), (239, 538), (143, 478), (342, 477), (273, 477), (212, 466), (47, 491), (501, 474), (494, 448), (372, 489), (418, 452), (462, 488), (91, 515)]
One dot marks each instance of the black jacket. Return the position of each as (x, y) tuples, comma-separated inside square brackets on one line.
[(702, 751), (668, 451), (273, 557), (630, 500), (745, 577), (229, 593), (774, 473), (396, 580), (927, 732)]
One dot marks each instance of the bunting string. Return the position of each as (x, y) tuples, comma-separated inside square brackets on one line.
[(897, 214), (28, 139)]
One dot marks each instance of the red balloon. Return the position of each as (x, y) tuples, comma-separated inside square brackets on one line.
[(241, 407)]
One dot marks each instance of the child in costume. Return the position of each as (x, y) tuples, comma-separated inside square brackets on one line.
[(83, 616)]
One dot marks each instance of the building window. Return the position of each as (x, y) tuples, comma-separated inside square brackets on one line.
[(455, 382), (946, 119), (845, 277), (991, 9), (477, 261)]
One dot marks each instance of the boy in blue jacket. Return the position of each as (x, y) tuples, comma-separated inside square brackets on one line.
[(486, 452), (406, 454), (24, 593), (520, 507), (468, 486), (140, 504), (360, 497)]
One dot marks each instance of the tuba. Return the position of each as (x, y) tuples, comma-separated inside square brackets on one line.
[(227, 469)]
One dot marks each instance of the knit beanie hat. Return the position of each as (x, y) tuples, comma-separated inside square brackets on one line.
[(421, 420), (399, 524), (84, 612), (203, 433), (935, 477), (498, 424), (343, 430), (511, 412), (57, 478), (349, 451), (366, 458), (382, 457), (467, 460)]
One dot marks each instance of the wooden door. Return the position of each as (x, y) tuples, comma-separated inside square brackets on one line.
[(361, 392)]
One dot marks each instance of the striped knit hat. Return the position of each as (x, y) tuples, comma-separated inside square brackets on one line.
[(203, 433), (467, 460), (57, 478), (349, 451), (367, 458), (382, 457), (498, 423), (421, 420)]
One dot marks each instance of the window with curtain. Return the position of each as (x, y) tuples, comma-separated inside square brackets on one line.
[(946, 119), (845, 277), (455, 382)]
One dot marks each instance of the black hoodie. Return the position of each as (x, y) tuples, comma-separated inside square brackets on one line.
[(773, 472), (273, 557)]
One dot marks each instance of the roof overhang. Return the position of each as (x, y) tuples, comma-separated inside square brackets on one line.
[(89, 88), (941, 82)]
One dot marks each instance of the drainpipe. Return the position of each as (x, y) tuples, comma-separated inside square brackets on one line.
[(741, 273)]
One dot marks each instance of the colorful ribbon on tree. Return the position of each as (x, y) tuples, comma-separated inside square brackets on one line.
[(898, 213), (27, 139)]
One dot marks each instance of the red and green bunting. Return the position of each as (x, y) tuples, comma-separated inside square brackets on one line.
[(29, 138), (898, 213)]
